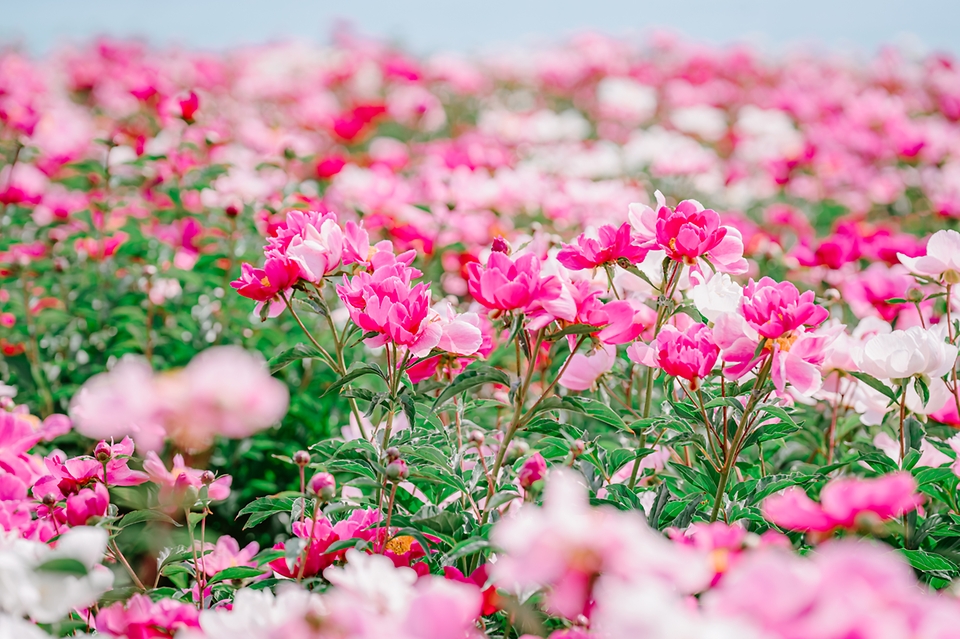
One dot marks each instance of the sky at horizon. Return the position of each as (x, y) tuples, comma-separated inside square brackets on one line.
[(425, 26)]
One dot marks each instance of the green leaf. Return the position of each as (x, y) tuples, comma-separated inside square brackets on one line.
[(264, 508), (875, 384), (928, 561), (64, 565), (236, 572), (595, 409), (291, 355), (140, 516), (575, 329), (465, 548), (471, 378), (359, 371)]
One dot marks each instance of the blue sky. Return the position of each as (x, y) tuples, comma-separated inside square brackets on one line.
[(432, 25)]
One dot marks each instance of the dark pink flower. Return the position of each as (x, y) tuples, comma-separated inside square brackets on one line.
[(613, 244), (143, 618), (690, 354)]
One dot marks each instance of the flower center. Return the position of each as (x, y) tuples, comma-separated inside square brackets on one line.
[(400, 545)]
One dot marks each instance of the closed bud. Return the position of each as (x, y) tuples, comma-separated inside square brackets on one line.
[(323, 485), (392, 454), (476, 438), (49, 500), (500, 245), (532, 470), (301, 458), (102, 452), (831, 295), (915, 295), (207, 477), (577, 447), (397, 470)]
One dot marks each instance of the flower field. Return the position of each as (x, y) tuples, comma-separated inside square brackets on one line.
[(591, 340)]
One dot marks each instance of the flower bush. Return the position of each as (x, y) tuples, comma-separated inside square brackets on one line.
[(338, 342)]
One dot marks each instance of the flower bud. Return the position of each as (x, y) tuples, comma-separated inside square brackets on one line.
[(915, 295), (232, 210), (301, 458), (189, 106), (831, 295), (323, 485), (207, 477), (397, 470), (500, 245), (577, 447), (49, 500), (392, 454), (476, 438), (532, 470), (102, 452)]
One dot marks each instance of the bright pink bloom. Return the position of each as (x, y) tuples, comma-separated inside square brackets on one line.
[(534, 469), (143, 618), (844, 503), (775, 309), (613, 244), (384, 302), (189, 106), (585, 369), (87, 503), (505, 284), (690, 354)]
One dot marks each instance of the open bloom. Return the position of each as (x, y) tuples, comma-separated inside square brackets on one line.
[(689, 354), (775, 309), (265, 285), (140, 616), (505, 284), (691, 233), (844, 503), (317, 251), (900, 354), (384, 302), (175, 483), (613, 244), (942, 261)]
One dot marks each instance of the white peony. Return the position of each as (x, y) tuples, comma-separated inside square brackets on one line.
[(718, 295), (900, 354)]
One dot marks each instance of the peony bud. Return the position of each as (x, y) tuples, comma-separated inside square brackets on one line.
[(392, 454), (577, 447), (323, 485), (500, 245), (207, 477), (49, 500), (189, 106), (476, 438), (301, 458), (397, 470), (102, 452), (532, 470)]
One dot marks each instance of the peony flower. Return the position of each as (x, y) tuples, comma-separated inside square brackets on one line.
[(775, 309), (844, 503), (140, 616), (612, 245), (716, 296), (690, 354), (505, 284), (585, 369), (175, 483), (907, 353), (317, 250), (942, 259), (690, 233)]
